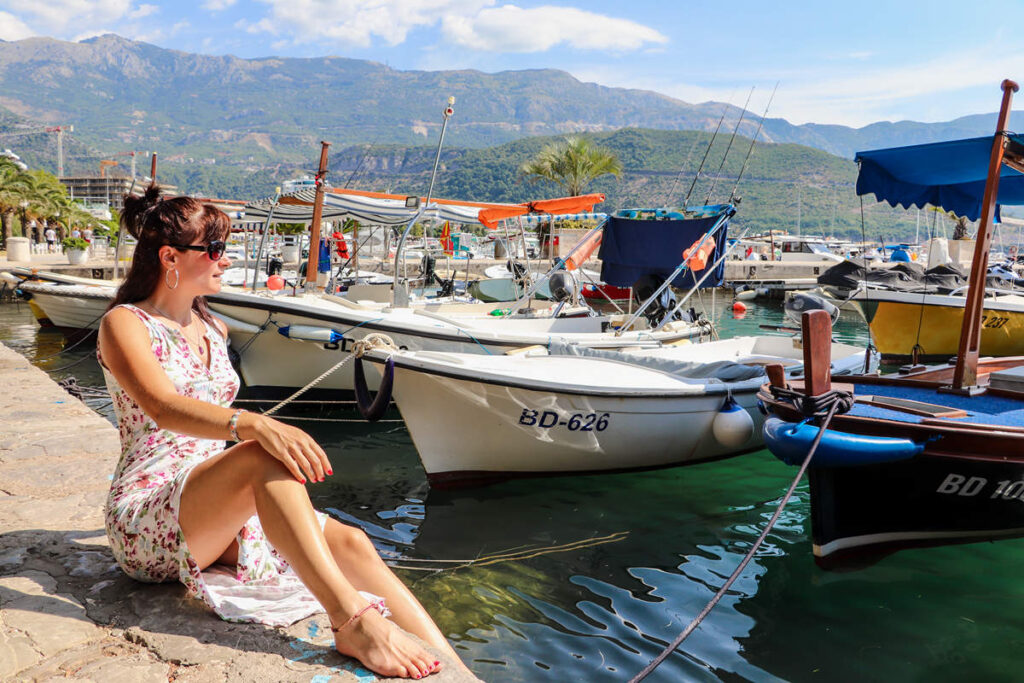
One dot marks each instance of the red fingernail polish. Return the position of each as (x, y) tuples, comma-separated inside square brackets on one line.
[(302, 481), (330, 471)]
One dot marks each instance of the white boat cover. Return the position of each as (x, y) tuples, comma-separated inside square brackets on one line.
[(723, 371)]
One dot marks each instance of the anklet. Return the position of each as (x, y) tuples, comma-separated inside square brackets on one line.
[(376, 604)]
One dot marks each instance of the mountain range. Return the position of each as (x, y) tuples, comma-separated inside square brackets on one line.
[(231, 127), (124, 95)]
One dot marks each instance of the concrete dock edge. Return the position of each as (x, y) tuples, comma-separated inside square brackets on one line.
[(66, 609)]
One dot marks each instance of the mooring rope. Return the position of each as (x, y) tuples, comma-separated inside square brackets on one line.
[(370, 341), (508, 556), (833, 408)]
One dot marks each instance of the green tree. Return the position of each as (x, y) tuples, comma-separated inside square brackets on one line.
[(12, 186), (572, 164)]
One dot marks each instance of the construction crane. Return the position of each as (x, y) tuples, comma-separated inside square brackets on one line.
[(103, 166), (59, 130)]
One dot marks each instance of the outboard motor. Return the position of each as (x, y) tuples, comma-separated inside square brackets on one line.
[(660, 307), (517, 269), (274, 266), (798, 303), (563, 286), (427, 268)]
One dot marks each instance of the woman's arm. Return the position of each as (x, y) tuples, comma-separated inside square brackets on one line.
[(127, 352)]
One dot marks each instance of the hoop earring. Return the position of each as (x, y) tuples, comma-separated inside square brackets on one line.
[(177, 278)]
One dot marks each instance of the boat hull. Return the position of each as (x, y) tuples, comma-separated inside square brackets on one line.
[(897, 325), (468, 431), (272, 365), (927, 500), (69, 307)]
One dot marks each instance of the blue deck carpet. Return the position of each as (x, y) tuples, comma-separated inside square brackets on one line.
[(984, 409)]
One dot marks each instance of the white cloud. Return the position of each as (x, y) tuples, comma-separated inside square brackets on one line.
[(218, 5), (476, 24), (513, 29), (13, 28), (865, 96), (143, 11), (356, 22), (939, 89), (77, 18)]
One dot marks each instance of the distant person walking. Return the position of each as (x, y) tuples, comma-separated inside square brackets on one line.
[(51, 239)]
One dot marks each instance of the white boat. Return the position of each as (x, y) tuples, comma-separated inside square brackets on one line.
[(284, 342), (480, 417), (70, 307)]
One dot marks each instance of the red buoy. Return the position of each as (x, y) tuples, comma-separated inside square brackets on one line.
[(275, 283), (739, 307)]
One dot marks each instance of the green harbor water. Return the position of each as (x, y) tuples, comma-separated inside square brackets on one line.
[(586, 578)]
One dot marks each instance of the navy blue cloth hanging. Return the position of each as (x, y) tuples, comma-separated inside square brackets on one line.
[(633, 248)]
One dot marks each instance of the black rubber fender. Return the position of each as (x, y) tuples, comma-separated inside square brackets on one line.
[(373, 410)]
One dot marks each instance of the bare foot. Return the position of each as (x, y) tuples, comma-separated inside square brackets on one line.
[(384, 649)]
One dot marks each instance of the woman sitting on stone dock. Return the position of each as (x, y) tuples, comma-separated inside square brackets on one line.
[(236, 526)]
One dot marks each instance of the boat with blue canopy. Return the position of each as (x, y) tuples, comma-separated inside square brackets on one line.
[(932, 455)]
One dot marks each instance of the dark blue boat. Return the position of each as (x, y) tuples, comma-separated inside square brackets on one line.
[(933, 455)]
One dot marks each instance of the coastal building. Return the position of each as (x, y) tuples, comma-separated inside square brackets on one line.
[(107, 191)]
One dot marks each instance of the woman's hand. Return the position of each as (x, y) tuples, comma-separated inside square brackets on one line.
[(293, 447)]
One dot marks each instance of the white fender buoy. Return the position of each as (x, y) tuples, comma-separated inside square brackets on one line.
[(237, 325), (746, 295), (733, 426), (311, 333)]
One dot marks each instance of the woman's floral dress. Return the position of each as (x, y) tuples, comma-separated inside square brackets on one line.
[(142, 507)]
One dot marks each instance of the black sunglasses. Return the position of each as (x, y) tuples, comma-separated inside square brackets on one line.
[(214, 249)]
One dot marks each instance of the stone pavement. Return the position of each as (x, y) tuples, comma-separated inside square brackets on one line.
[(66, 609)]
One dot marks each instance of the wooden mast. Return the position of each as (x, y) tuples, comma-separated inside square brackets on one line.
[(318, 212), (965, 376)]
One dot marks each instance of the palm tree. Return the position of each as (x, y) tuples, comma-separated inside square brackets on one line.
[(572, 164), (15, 190)]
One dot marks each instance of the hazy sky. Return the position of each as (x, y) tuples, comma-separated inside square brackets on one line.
[(850, 63)]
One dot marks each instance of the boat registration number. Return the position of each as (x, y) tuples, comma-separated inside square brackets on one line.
[(576, 422), (962, 485), (993, 321)]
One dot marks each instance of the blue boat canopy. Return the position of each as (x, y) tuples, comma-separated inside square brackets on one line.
[(632, 248), (946, 174)]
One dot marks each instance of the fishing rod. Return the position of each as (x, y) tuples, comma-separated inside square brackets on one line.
[(696, 176), (725, 156), (351, 177), (675, 181), (750, 150)]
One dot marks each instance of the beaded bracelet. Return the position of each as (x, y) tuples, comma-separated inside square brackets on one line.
[(233, 424), (375, 604)]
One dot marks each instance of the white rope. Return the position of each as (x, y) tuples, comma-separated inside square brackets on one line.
[(370, 341)]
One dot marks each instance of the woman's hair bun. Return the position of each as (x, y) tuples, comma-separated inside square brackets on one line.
[(136, 208)]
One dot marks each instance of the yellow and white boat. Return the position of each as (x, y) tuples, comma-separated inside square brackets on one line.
[(899, 321)]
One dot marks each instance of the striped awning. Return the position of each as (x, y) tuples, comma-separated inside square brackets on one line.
[(369, 208), (377, 208)]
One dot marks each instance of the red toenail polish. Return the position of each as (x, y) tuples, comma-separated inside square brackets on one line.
[(330, 471)]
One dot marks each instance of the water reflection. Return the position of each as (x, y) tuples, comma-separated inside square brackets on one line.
[(586, 578)]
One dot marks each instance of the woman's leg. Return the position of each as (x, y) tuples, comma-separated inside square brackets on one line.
[(361, 564), (223, 492)]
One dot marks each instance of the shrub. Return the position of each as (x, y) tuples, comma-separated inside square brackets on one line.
[(69, 243)]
